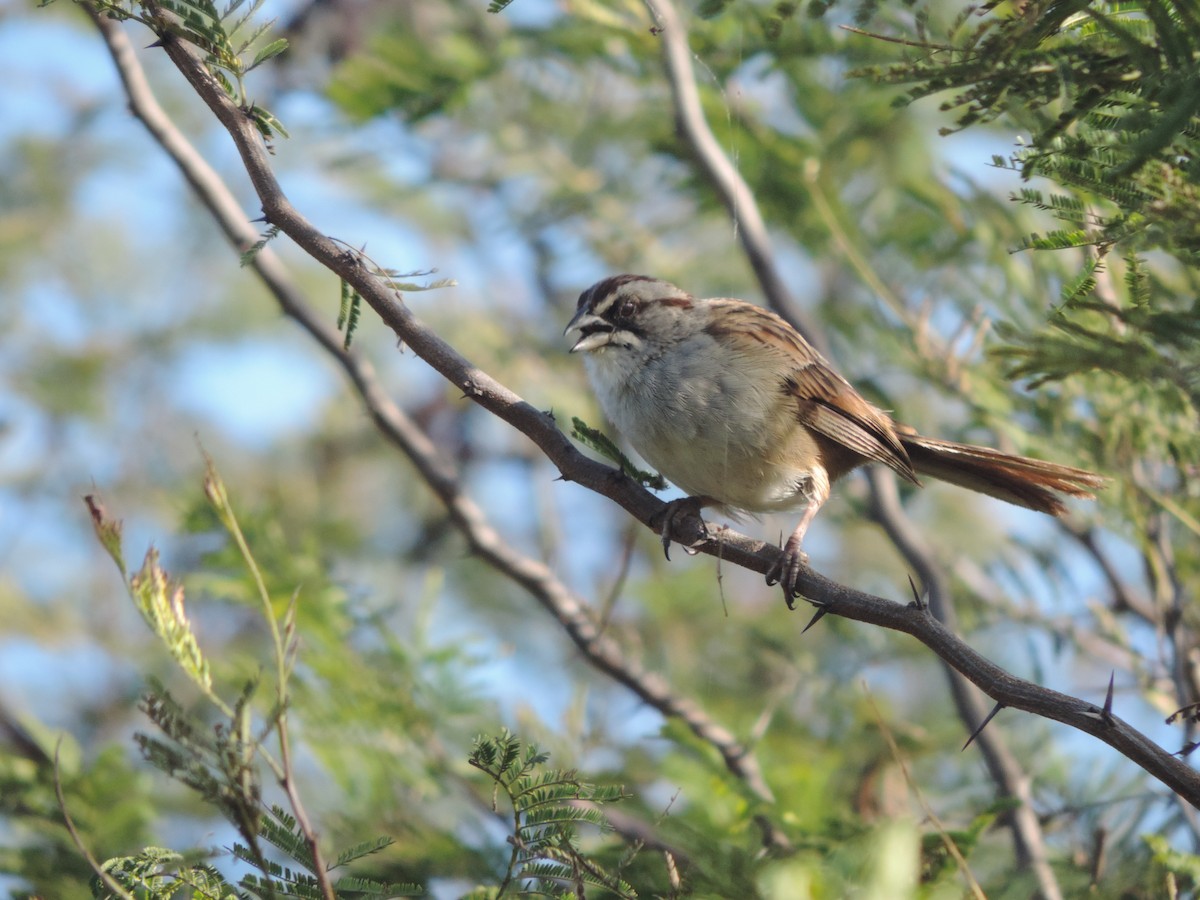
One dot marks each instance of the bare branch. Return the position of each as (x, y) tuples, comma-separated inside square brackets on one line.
[(726, 180)]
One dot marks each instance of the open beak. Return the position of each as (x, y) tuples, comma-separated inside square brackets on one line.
[(594, 332)]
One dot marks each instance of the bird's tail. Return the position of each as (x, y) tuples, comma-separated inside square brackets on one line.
[(1031, 483)]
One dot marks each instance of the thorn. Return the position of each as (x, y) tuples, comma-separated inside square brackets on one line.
[(982, 725), (1106, 714), (159, 43), (918, 603), (821, 610), (262, 218), (666, 542)]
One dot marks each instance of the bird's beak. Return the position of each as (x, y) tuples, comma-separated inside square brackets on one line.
[(594, 332)]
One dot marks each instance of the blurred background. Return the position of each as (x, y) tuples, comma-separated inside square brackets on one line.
[(525, 155)]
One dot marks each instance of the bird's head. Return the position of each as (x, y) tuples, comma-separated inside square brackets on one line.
[(627, 312)]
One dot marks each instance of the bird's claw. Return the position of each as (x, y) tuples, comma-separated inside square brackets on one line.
[(786, 571), (671, 515)]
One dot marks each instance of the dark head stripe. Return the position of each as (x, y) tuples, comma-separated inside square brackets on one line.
[(602, 289)]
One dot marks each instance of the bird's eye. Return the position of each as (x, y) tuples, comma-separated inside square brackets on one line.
[(626, 309)]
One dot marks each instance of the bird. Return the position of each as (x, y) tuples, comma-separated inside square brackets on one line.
[(734, 407)]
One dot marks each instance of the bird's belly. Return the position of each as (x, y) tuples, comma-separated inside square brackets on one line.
[(714, 425), (712, 469), (743, 460)]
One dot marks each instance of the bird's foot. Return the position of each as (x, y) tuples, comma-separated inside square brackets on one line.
[(672, 516), (786, 571)]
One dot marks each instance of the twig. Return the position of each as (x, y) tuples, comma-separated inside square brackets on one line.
[(109, 882), (1124, 598), (923, 45)]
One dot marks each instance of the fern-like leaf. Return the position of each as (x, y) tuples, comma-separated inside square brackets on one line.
[(358, 851), (604, 445)]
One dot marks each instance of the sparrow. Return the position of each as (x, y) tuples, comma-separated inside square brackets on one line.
[(733, 406)]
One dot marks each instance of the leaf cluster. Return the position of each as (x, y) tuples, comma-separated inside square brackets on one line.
[(1111, 94), (221, 761), (227, 37), (547, 807), (606, 447)]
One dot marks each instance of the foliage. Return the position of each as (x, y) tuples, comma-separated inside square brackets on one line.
[(529, 155), (348, 312), (226, 37), (220, 760), (547, 807), (1108, 93), (602, 444)]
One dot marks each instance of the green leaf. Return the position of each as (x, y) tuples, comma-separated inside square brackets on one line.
[(358, 851), (602, 444), (369, 887), (271, 50), (349, 312)]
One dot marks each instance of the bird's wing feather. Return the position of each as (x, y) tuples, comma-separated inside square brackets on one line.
[(825, 402)]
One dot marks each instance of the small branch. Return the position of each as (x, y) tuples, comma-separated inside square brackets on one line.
[(105, 877), (732, 189), (922, 45), (1124, 598)]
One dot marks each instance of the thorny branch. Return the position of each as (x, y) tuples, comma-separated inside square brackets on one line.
[(540, 428), (571, 611)]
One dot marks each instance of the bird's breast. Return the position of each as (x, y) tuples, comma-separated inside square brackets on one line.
[(714, 426)]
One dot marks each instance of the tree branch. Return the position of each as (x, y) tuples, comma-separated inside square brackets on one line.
[(571, 611), (736, 549), (732, 189)]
